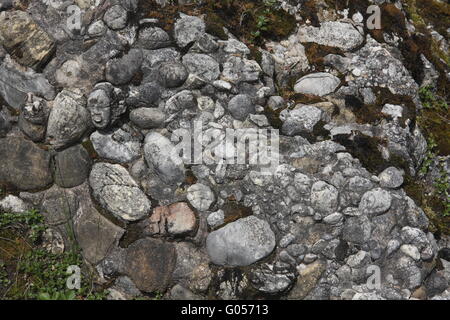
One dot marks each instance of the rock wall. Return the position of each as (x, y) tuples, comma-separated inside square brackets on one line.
[(92, 97)]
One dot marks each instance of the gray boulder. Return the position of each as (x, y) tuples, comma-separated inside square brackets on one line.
[(160, 153), (16, 84), (172, 75), (301, 119), (95, 234), (121, 71), (116, 17), (241, 243), (72, 166), (319, 84), (391, 178), (121, 145), (200, 196), (241, 106), (153, 38), (24, 165), (117, 192), (332, 34), (192, 267), (182, 100), (202, 65), (273, 278), (324, 197), (188, 29), (153, 58), (69, 119), (357, 229), (147, 118), (13, 204), (145, 95), (237, 69), (375, 202)]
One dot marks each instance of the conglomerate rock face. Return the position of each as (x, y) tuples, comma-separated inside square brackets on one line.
[(93, 112)]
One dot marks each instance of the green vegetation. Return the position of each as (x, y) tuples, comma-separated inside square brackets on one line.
[(29, 271), (431, 101), (429, 156), (434, 119), (442, 185), (32, 219), (251, 21)]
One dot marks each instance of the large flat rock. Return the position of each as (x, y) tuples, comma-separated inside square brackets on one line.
[(23, 165)]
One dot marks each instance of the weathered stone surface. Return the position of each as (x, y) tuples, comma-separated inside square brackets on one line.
[(116, 17), (188, 29), (301, 119), (391, 178), (307, 279), (375, 202), (181, 101), (121, 145), (150, 264), (241, 243), (69, 119), (237, 69), (324, 197), (5, 122), (123, 289), (192, 267), (181, 293), (59, 206), (176, 219), (319, 84), (200, 196), (24, 166), (333, 34), (95, 234), (153, 38), (24, 39), (241, 106), (275, 102), (377, 65), (273, 279), (16, 84), (117, 192), (147, 118), (120, 71), (35, 132), (215, 219), (153, 58), (160, 153), (145, 95), (172, 75), (53, 241), (181, 219), (72, 166), (6, 4), (357, 229), (202, 65)]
